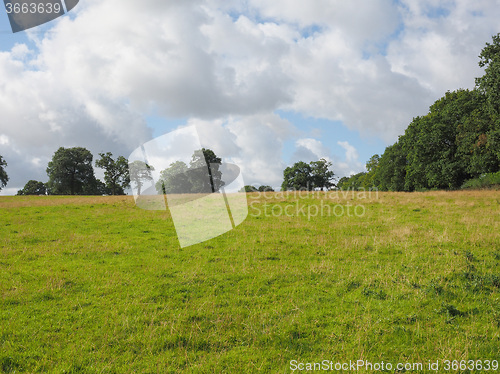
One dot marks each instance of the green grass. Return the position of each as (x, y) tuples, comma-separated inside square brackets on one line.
[(96, 285)]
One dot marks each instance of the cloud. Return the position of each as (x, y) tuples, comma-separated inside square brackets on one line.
[(350, 163), (260, 140), (229, 67), (351, 154), (308, 149), (441, 41)]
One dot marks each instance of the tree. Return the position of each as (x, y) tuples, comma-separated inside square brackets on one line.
[(4, 178), (343, 183), (371, 179), (303, 176), (391, 169), (430, 143), (140, 173), (476, 141), (372, 163), (116, 172), (202, 176), (249, 188), (71, 173), (174, 179), (198, 171), (354, 182), (321, 176), (489, 83), (33, 188), (265, 189), (297, 177), (457, 140)]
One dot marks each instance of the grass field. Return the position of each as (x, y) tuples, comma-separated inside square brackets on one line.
[(96, 285)]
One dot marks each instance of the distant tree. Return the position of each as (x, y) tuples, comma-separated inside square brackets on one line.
[(343, 183), (354, 182), (174, 179), (198, 171), (4, 178), (140, 173), (249, 188), (303, 176), (372, 179), (391, 169), (430, 146), (33, 188), (203, 175), (71, 173), (321, 175), (116, 172), (489, 83), (265, 189), (372, 164), (297, 177)]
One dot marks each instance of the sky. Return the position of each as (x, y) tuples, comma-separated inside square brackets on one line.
[(266, 83)]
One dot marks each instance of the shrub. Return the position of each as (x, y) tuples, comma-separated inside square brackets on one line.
[(489, 180)]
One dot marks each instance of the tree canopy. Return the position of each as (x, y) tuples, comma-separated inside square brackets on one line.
[(116, 172), (303, 176), (250, 188), (140, 173), (71, 173), (33, 187), (457, 140), (4, 178), (203, 175)]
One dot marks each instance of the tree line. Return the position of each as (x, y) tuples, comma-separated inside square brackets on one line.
[(456, 142), (71, 172)]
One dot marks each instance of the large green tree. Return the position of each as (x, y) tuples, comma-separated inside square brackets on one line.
[(71, 173), (33, 187), (489, 83), (430, 143), (321, 175), (391, 169), (4, 178), (476, 143), (457, 140), (297, 177), (116, 172), (308, 176)]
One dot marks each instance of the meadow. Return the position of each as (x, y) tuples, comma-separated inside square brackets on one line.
[(97, 285)]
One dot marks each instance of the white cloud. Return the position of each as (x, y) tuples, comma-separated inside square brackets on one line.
[(351, 154), (260, 140), (229, 67), (351, 164), (4, 140), (308, 149)]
